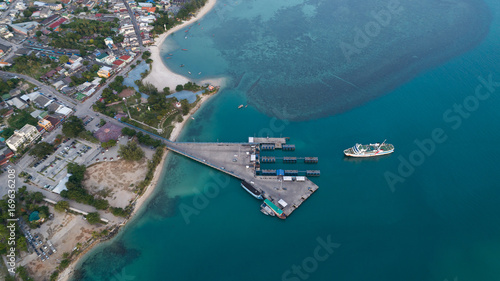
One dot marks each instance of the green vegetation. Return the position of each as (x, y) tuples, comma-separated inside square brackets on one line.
[(21, 118), (93, 218), (102, 122), (126, 131), (164, 20), (23, 273), (7, 132), (131, 151), (146, 55), (32, 66), (61, 206), (42, 149), (108, 144), (179, 88), (7, 86), (120, 212), (72, 127), (151, 169), (26, 203), (76, 35)]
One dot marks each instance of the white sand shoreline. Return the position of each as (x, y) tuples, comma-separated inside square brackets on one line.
[(160, 75)]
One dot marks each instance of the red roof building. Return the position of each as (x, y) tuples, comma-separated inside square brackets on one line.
[(57, 23), (149, 9), (118, 63)]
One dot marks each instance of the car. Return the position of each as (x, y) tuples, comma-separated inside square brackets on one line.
[(97, 160)]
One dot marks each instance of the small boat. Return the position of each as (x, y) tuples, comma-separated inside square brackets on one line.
[(369, 150), (240, 106), (170, 54), (192, 117), (246, 106), (186, 37), (199, 73), (186, 30), (277, 211), (181, 65), (189, 72), (167, 58), (184, 49), (266, 210)]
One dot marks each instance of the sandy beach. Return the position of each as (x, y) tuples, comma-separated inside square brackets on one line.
[(161, 76)]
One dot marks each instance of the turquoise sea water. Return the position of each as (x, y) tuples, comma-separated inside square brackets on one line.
[(439, 222)]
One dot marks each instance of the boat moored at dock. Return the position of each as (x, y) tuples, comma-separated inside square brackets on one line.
[(252, 190), (277, 211), (369, 150)]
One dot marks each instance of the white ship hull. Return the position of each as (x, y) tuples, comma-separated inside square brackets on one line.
[(371, 150)]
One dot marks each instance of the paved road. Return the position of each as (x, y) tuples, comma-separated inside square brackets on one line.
[(134, 22), (46, 89)]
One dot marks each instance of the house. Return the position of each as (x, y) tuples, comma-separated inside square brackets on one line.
[(58, 85), (46, 124), (126, 58), (23, 137), (41, 101), (149, 9), (45, 12), (108, 41), (104, 72), (102, 57), (118, 63), (17, 103), (53, 121), (5, 155)]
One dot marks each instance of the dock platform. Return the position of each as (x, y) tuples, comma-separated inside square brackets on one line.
[(236, 159)]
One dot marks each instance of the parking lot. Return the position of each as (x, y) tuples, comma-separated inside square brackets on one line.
[(36, 243), (50, 170)]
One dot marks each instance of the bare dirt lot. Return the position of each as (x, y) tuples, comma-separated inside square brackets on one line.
[(115, 179), (64, 231)]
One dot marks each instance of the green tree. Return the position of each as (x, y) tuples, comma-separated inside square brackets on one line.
[(101, 204), (128, 132), (102, 122), (38, 33), (131, 151), (93, 218), (108, 144), (42, 149), (85, 62), (61, 206), (72, 127), (95, 67), (63, 59), (179, 88)]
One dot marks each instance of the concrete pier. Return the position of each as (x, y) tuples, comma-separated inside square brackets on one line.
[(236, 159)]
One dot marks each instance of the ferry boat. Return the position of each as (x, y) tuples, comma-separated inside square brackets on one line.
[(369, 150), (252, 190), (277, 211)]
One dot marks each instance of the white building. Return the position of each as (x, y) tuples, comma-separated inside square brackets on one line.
[(23, 137)]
